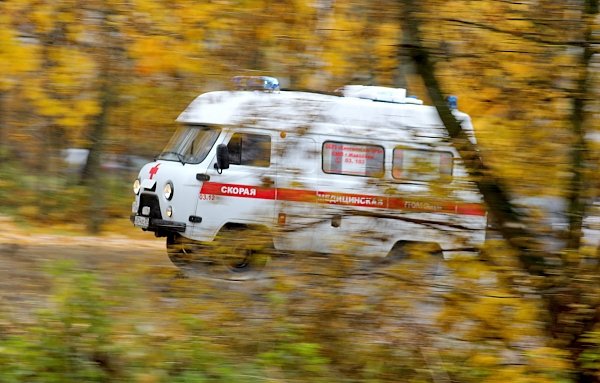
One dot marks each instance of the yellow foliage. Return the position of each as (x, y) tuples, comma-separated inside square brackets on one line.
[(549, 359), (50, 107), (158, 55), (484, 359), (519, 69), (516, 90), (526, 312), (43, 16), (513, 374), (87, 107), (16, 58)]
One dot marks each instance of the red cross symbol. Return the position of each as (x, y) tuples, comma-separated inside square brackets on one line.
[(153, 170)]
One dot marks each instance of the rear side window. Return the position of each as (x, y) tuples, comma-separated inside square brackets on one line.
[(250, 149), (353, 159), (422, 165)]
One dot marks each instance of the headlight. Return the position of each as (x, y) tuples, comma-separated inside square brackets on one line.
[(136, 186), (168, 191)]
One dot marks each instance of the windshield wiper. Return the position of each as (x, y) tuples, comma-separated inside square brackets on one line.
[(180, 157)]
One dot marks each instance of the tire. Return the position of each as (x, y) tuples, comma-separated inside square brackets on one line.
[(187, 255), (425, 259), (242, 252), (237, 253), (405, 250)]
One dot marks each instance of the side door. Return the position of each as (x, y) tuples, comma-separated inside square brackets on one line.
[(296, 209), (244, 193), (349, 196)]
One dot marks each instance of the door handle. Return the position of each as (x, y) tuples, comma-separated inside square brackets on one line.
[(267, 181), (336, 220)]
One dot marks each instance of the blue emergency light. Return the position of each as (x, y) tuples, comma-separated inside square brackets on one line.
[(452, 102)]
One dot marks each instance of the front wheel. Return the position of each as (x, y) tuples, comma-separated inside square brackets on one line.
[(237, 253), (243, 251), (188, 255)]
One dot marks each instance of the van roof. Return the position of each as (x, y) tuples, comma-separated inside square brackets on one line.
[(320, 114)]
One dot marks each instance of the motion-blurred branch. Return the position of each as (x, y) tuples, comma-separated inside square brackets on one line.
[(564, 288), (509, 223), (521, 35), (579, 161)]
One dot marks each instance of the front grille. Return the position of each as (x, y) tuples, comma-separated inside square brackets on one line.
[(150, 200)]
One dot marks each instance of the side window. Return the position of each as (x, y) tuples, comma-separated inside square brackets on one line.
[(353, 159), (422, 165), (250, 149), (298, 155)]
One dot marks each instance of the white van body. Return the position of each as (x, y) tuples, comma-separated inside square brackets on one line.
[(337, 174)]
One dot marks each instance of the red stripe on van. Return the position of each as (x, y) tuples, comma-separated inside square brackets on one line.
[(352, 199), (344, 199), (296, 195), (233, 190), (421, 205), (470, 209)]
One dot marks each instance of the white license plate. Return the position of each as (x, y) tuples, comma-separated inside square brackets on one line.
[(141, 221)]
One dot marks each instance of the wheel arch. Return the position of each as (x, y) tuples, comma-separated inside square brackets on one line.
[(400, 248), (241, 226)]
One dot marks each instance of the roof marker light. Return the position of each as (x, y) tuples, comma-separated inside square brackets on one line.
[(266, 83), (452, 102)]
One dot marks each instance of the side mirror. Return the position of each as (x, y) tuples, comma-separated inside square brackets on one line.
[(222, 158)]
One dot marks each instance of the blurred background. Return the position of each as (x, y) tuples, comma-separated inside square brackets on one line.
[(111, 79), (89, 91)]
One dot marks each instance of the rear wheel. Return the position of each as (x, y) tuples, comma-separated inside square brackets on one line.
[(423, 259), (237, 253)]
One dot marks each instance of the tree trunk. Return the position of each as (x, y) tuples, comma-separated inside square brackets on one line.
[(405, 65), (563, 294), (92, 172), (494, 193), (3, 127), (577, 187)]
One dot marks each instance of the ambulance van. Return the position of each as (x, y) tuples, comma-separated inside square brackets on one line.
[(365, 171)]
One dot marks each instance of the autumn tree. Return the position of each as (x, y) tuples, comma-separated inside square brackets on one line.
[(18, 60), (114, 75), (565, 279)]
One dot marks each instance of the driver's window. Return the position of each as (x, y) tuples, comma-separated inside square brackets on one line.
[(250, 149)]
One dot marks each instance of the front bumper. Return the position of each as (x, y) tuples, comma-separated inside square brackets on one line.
[(156, 224)]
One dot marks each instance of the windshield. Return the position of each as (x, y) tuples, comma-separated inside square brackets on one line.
[(190, 144)]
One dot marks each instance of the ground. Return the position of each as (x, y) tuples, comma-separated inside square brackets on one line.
[(333, 298), (26, 255)]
